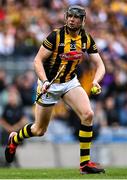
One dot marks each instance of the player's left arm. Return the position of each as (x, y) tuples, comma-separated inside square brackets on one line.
[(97, 60), (100, 68)]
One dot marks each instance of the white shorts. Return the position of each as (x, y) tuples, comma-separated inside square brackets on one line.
[(56, 91)]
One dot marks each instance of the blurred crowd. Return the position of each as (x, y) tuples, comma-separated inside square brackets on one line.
[(23, 26)]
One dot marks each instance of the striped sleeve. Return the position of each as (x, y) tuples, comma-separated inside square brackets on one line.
[(50, 42), (91, 45)]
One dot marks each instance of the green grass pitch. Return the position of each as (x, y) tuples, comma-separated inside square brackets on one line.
[(59, 173)]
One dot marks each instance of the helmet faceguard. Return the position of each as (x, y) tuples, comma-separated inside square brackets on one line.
[(76, 11)]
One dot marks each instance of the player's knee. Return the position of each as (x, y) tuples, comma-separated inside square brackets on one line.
[(87, 117)]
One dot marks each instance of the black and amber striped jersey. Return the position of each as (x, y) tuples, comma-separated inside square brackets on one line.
[(67, 51)]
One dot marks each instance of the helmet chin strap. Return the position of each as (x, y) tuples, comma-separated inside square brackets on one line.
[(73, 29)]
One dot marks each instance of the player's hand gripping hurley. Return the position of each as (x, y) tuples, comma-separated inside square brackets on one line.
[(51, 82)]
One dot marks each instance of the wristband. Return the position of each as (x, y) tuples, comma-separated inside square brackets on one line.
[(45, 81)]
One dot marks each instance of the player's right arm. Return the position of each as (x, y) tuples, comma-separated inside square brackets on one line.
[(44, 52), (41, 56)]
